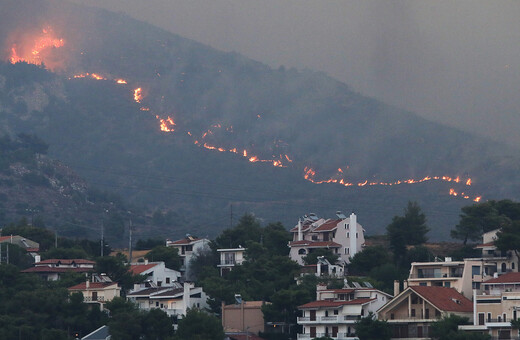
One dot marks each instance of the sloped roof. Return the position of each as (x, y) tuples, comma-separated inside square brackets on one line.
[(148, 291), (513, 277), (184, 241), (315, 244), (445, 299), (329, 225), (485, 245), (66, 261), (328, 303), (141, 268), (92, 285), (46, 269)]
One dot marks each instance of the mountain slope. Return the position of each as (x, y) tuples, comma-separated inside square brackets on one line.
[(301, 120)]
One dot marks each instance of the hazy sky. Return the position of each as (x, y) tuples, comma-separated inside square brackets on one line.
[(456, 62)]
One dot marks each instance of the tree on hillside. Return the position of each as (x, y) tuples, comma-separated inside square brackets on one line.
[(370, 257), (199, 325), (508, 238), (247, 229), (369, 328), (447, 329), (479, 218), (169, 255), (312, 257), (410, 229)]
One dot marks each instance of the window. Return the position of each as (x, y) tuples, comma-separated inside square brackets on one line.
[(475, 270), (346, 226), (348, 235), (412, 313), (302, 251), (489, 317), (336, 312), (447, 284), (357, 234), (167, 280), (392, 316)]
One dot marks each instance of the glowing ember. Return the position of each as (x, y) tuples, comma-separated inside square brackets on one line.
[(167, 125), (37, 49), (468, 182), (121, 81)]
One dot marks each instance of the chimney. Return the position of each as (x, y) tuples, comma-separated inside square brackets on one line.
[(353, 232), (396, 287), (37, 258), (87, 284), (145, 261), (300, 236)]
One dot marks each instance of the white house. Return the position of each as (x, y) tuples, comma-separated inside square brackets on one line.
[(335, 311), (188, 247), (156, 272), (343, 235), (98, 290), (229, 258), (52, 269), (174, 300)]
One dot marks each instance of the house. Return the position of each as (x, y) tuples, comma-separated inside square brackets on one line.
[(411, 313), (498, 304), (102, 333), (230, 258), (29, 246), (343, 236), (465, 275), (98, 290), (323, 268), (52, 269), (188, 247), (155, 272), (243, 316), (335, 311), (173, 300)]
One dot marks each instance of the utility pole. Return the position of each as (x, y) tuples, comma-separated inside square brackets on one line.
[(55, 238), (130, 243), (7, 246), (0, 253), (231, 216), (102, 231)]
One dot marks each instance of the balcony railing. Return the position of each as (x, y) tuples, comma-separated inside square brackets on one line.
[(339, 336), (94, 299), (435, 276)]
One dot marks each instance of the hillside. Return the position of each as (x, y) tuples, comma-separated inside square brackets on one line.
[(291, 124)]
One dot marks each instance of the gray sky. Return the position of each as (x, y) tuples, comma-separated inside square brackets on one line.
[(455, 62)]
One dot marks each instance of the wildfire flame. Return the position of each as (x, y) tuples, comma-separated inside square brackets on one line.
[(138, 95), (167, 125), (39, 46)]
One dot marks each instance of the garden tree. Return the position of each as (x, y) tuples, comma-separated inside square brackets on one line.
[(148, 243), (419, 254), (65, 253), (480, 218), (410, 229), (386, 274), (17, 255), (43, 236), (247, 229), (275, 238), (204, 264), (157, 325), (363, 262), (199, 325), (369, 328), (169, 255), (508, 238), (117, 270), (447, 329), (312, 257)]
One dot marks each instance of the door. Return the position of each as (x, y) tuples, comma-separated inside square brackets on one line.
[(481, 318), (313, 332), (334, 331), (419, 332), (94, 296), (313, 315)]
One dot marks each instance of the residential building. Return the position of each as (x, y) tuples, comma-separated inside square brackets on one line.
[(497, 261), (102, 333), (22, 242), (335, 311), (496, 306), (155, 272), (343, 235), (230, 258), (243, 316), (323, 268), (98, 290), (174, 300), (52, 269), (188, 247), (411, 313)]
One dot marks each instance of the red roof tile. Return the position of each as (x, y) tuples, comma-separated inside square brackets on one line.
[(185, 241), (140, 268), (489, 244), (513, 277), (304, 228), (444, 298), (92, 285), (244, 337), (327, 303), (329, 225)]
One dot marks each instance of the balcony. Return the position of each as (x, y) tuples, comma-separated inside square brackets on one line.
[(339, 336), (94, 299), (320, 319), (436, 276)]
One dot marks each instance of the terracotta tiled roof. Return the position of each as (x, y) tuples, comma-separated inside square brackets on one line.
[(304, 228), (244, 337), (141, 268), (5, 238), (329, 225), (92, 285), (170, 292), (513, 277), (185, 241), (66, 261), (327, 303), (46, 269), (445, 299), (339, 291), (315, 244)]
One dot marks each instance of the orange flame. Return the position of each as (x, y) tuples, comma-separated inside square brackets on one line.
[(41, 44), (121, 81), (138, 95)]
